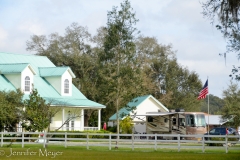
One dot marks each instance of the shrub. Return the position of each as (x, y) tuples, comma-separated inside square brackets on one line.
[(230, 140)]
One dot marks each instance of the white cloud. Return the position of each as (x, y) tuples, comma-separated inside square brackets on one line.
[(33, 28), (180, 23), (3, 37)]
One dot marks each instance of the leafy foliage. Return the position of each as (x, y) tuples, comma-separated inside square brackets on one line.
[(227, 12), (231, 109), (215, 105), (37, 115), (117, 62), (115, 66), (10, 109), (126, 125), (174, 85)]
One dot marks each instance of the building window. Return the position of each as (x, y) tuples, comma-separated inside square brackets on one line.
[(72, 125), (66, 86), (67, 126), (27, 84)]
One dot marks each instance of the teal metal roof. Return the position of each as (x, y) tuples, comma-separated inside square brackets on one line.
[(44, 88), (47, 92), (133, 103), (54, 71), (33, 60), (126, 110), (12, 68), (5, 84)]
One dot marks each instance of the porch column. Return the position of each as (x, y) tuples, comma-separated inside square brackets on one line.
[(63, 118), (99, 119), (82, 120)]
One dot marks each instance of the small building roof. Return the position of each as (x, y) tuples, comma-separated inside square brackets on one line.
[(13, 68), (134, 103), (55, 71), (215, 120), (34, 60)]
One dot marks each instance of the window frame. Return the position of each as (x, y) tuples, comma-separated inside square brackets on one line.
[(66, 86), (27, 84)]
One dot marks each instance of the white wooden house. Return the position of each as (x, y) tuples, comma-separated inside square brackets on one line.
[(140, 106), (54, 84)]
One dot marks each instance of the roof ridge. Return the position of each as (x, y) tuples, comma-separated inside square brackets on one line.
[(12, 63), (54, 67), (23, 54)]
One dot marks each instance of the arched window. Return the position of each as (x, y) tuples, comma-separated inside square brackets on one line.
[(66, 86), (27, 84)]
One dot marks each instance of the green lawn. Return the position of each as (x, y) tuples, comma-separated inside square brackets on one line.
[(102, 153)]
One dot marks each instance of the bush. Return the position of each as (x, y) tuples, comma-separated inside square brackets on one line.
[(230, 140), (80, 134), (112, 129), (216, 139)]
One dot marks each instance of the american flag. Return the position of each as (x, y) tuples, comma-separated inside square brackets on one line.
[(204, 91)]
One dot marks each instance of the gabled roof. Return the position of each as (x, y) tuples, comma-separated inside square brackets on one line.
[(34, 60), (43, 67), (134, 103), (13, 68), (6, 85), (55, 71)]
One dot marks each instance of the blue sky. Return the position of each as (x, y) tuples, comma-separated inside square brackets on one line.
[(197, 42)]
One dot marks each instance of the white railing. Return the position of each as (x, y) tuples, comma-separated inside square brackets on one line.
[(90, 128), (74, 129), (125, 140)]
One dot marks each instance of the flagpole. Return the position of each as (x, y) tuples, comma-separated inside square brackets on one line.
[(208, 108)]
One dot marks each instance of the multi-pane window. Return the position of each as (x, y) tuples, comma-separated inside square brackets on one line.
[(27, 84), (66, 86), (72, 125), (67, 126)]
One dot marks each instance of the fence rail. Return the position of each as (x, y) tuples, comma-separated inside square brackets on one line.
[(125, 140)]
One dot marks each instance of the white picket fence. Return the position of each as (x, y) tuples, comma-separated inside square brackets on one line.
[(133, 141)]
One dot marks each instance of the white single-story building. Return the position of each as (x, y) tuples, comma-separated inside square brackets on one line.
[(54, 84), (138, 106)]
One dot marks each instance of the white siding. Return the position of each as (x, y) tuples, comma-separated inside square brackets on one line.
[(66, 75), (149, 105), (26, 72), (18, 80), (55, 82)]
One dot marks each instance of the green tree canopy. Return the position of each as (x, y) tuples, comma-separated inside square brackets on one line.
[(227, 12), (174, 85), (126, 125), (231, 97), (215, 105), (37, 113), (118, 66), (10, 109)]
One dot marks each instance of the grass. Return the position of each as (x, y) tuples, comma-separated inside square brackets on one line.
[(102, 153)]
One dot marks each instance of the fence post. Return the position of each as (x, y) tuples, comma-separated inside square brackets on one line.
[(87, 141), (65, 139), (44, 140), (1, 139), (226, 140), (203, 144), (132, 142), (110, 143), (22, 139), (178, 142), (155, 142)]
